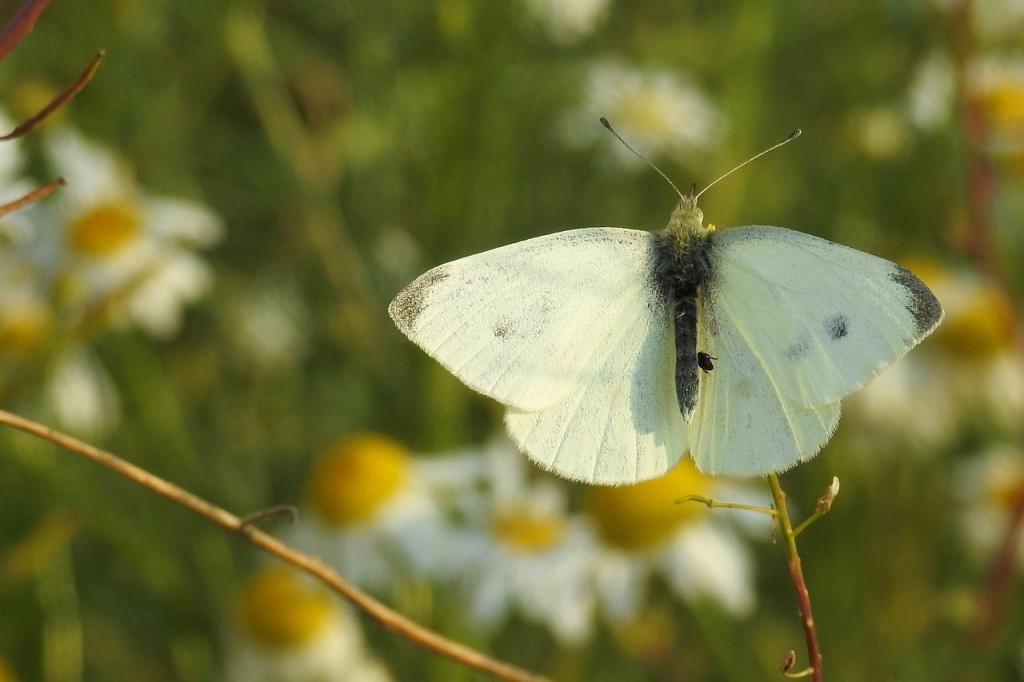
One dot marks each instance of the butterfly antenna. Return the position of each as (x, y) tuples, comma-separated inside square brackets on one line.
[(792, 136), (643, 158)]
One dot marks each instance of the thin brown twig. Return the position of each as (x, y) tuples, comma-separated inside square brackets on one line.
[(35, 195), (271, 512), (386, 617), (62, 98), (20, 25), (803, 597)]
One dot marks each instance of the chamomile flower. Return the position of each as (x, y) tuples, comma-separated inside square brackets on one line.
[(525, 554), (880, 132), (371, 514), (82, 396), (26, 317), (997, 84), (658, 112), (987, 486), (14, 228), (267, 325), (289, 629), (930, 98), (122, 252), (567, 22), (642, 532)]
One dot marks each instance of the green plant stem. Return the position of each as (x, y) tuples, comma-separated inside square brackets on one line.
[(803, 597), (807, 522), (716, 504)]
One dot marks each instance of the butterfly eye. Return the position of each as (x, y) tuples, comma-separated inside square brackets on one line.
[(704, 362)]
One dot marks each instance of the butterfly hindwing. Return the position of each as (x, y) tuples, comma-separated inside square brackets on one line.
[(620, 423), (744, 425)]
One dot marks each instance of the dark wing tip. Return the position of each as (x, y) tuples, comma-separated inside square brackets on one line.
[(922, 304), (411, 301)]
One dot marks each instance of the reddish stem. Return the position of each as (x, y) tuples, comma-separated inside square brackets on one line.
[(34, 195), (803, 596), (60, 100), (19, 26)]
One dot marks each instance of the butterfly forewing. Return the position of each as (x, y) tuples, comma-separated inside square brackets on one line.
[(521, 323), (821, 318)]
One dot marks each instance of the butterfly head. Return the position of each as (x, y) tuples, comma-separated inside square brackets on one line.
[(687, 220)]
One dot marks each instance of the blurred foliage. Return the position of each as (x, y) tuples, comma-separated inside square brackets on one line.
[(348, 146)]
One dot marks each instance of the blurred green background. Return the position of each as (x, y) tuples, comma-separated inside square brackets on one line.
[(348, 146)]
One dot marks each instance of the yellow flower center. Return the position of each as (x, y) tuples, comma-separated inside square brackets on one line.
[(644, 112), (1005, 489), (1005, 106), (642, 515), (104, 229), (527, 530), (356, 477), (980, 325), (24, 326), (281, 610), (6, 674)]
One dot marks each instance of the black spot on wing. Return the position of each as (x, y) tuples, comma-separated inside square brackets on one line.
[(799, 349), (921, 302), (410, 301), (837, 326)]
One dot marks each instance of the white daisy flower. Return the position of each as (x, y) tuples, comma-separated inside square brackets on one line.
[(371, 514), (997, 85), (82, 396), (26, 317), (642, 531), (14, 228), (658, 113), (290, 629), (121, 252), (880, 132), (267, 324), (987, 486), (568, 21), (931, 96), (522, 553)]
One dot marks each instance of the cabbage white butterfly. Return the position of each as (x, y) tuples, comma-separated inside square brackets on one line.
[(616, 351)]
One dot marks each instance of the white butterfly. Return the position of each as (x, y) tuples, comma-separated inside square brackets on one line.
[(600, 341)]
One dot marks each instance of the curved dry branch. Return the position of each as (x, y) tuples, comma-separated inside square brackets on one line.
[(375, 609)]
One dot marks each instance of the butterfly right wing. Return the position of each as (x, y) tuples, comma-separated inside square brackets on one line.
[(524, 323)]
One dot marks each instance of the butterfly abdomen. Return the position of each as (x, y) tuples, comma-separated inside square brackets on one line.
[(682, 265)]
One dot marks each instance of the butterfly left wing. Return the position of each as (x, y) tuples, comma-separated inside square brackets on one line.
[(796, 322), (573, 333)]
